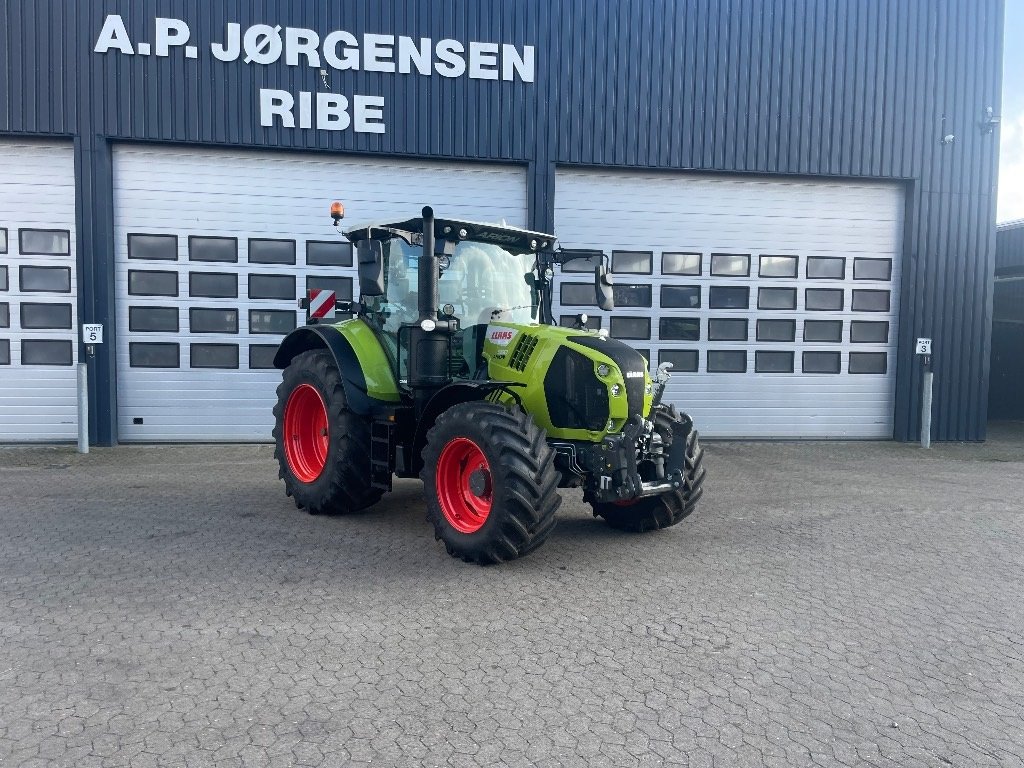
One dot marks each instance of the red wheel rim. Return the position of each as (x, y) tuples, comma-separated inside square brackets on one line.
[(464, 485), (306, 435)]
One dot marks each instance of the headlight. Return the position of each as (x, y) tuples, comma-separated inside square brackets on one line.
[(649, 389), (603, 370), (616, 390)]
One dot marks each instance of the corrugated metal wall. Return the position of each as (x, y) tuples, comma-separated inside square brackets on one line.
[(812, 87)]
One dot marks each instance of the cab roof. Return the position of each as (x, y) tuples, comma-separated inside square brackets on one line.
[(446, 229)]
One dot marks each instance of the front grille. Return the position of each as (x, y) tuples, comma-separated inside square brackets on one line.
[(577, 399), (523, 351)]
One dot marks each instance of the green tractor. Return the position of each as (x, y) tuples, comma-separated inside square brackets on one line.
[(451, 370)]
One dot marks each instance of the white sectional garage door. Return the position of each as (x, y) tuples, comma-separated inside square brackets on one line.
[(776, 301), (213, 249), (38, 292)]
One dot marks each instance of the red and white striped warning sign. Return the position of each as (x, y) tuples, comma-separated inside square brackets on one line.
[(321, 303)]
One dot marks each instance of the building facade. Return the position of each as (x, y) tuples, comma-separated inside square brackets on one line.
[(790, 193)]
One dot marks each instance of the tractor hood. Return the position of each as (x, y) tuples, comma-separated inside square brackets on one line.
[(577, 384), (512, 239)]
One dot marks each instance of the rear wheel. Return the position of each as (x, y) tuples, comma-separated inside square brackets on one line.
[(655, 512), (322, 447), (490, 481)]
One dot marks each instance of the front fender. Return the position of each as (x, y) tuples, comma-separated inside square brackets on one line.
[(443, 399)]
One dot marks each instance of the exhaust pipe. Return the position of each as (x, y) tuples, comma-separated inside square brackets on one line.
[(428, 292)]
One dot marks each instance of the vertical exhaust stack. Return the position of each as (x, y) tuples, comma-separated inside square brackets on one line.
[(428, 348), (428, 292)]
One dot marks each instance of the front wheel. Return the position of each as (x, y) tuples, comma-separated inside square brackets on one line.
[(655, 512), (490, 482), (322, 447)]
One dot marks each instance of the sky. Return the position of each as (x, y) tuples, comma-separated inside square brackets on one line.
[(1011, 130)]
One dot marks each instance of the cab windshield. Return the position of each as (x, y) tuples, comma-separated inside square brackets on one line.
[(483, 281)]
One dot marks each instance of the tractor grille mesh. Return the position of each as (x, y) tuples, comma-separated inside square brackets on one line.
[(523, 351)]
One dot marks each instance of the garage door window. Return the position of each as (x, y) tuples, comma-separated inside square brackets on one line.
[(54, 279), (3, 240), (683, 360), (631, 327), (5, 315), (155, 247), (727, 361), (824, 299), (271, 321), (342, 286), (5, 351), (266, 251), (38, 316), (679, 328), (631, 295), (823, 330), (825, 268), (211, 320), (770, 361), (867, 362), (776, 330), (578, 295), (153, 319), (730, 265), (262, 355), (213, 355), (680, 263), (147, 354), (776, 298), (872, 269), (44, 242), (727, 329), (213, 285), (680, 296), (633, 262), (569, 321), (583, 261), (45, 352), (328, 254), (729, 297), (3, 279), (271, 287), (870, 301), (220, 249), (152, 283), (821, 362), (869, 332), (778, 266)]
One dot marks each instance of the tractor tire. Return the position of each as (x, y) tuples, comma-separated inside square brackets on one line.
[(322, 447), (490, 481), (656, 512)]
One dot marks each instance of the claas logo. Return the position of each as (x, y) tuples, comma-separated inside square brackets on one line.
[(501, 335)]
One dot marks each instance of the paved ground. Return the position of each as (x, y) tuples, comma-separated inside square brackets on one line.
[(829, 604)]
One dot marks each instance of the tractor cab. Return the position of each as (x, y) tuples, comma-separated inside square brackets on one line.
[(485, 275)]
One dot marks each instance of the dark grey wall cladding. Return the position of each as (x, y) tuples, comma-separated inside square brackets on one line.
[(1010, 248), (810, 87)]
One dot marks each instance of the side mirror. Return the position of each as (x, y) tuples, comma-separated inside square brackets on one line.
[(603, 283), (371, 267)]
